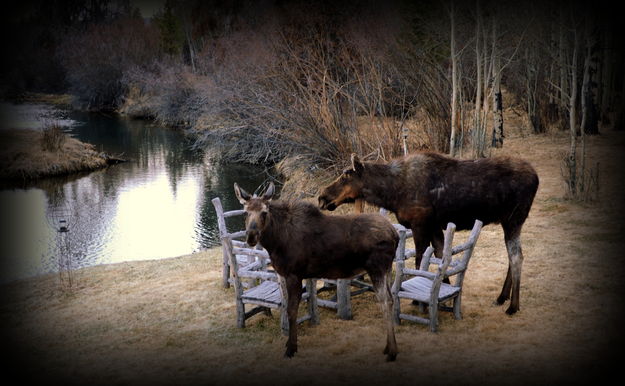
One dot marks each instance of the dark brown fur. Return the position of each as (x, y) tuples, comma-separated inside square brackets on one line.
[(427, 190), (305, 243)]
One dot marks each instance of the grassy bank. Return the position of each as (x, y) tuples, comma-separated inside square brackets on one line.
[(170, 322), (31, 154)]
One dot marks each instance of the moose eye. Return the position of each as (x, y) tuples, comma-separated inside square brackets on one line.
[(347, 173), (263, 216)]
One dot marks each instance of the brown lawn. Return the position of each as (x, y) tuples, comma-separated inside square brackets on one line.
[(170, 322)]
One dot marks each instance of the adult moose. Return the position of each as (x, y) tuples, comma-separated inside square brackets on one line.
[(305, 243), (427, 190)]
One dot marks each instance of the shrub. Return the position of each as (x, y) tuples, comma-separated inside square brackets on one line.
[(96, 59)]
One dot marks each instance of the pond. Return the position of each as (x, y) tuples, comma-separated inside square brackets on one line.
[(155, 206)]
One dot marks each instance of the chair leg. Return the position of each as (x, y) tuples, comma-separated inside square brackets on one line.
[(284, 318), (457, 312), (396, 309), (343, 300), (433, 309), (226, 273), (313, 309), (240, 314)]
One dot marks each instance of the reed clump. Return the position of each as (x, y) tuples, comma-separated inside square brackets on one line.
[(52, 137)]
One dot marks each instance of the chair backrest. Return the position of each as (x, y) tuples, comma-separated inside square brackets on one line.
[(446, 259), (230, 240), (447, 264), (221, 220), (467, 247)]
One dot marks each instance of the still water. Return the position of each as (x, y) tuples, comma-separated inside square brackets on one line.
[(157, 205)]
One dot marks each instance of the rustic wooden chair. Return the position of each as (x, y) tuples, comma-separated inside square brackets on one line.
[(427, 287), (255, 284), (267, 291)]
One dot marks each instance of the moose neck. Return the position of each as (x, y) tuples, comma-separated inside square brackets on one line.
[(381, 187), (272, 236)]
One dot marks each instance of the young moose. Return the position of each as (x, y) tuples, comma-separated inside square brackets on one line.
[(427, 190), (304, 243)]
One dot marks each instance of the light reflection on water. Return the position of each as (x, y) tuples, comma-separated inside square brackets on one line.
[(155, 206)]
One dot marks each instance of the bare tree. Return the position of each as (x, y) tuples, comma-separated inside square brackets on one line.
[(454, 82), (497, 138), (572, 157)]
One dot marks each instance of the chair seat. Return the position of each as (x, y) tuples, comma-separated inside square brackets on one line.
[(266, 292), (419, 288)]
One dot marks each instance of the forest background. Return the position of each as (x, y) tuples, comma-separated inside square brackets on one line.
[(302, 85)]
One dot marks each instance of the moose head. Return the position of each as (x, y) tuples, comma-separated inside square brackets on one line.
[(256, 211), (346, 188)]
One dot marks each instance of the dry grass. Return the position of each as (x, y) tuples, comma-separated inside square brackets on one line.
[(53, 99), (29, 154), (168, 321)]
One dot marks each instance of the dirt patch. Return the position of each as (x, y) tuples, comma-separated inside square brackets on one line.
[(170, 322)]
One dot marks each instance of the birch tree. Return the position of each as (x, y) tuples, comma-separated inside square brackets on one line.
[(454, 83), (478, 138), (572, 158), (497, 138)]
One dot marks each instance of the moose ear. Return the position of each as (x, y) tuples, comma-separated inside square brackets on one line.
[(269, 192), (356, 164), (242, 195)]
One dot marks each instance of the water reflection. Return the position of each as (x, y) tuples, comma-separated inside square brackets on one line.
[(155, 206)]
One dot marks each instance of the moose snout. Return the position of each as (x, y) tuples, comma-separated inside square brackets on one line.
[(252, 237), (325, 203)]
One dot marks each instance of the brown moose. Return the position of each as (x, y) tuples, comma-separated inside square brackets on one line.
[(427, 190), (305, 243)]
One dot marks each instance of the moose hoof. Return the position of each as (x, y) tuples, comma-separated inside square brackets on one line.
[(391, 357), (511, 310), (290, 352)]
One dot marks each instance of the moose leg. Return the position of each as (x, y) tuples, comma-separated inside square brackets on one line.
[(421, 238), (512, 285), (294, 295), (438, 242), (505, 291), (383, 293)]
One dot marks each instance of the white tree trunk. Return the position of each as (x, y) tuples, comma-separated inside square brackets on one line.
[(454, 85), (563, 64), (478, 132), (497, 140), (572, 122)]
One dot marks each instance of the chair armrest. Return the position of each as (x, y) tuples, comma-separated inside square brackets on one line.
[(399, 227), (238, 243), (410, 253), (264, 275), (437, 261), (455, 270), (418, 272), (249, 251)]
